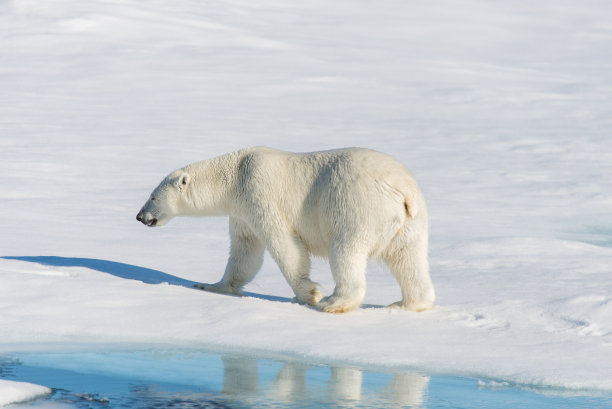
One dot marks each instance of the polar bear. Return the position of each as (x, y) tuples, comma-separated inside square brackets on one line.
[(348, 205)]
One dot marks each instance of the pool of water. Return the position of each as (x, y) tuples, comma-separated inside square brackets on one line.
[(170, 378)]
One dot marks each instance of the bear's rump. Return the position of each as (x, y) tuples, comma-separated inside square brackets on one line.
[(370, 220)]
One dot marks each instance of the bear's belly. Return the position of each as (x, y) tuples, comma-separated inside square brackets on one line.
[(314, 235), (317, 247)]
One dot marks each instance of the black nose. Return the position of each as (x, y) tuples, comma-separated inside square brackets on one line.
[(139, 217)]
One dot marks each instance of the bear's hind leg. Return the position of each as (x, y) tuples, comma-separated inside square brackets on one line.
[(245, 260), (410, 268), (348, 266)]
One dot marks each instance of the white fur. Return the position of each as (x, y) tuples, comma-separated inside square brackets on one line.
[(348, 205)]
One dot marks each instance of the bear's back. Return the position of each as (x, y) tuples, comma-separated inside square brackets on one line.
[(338, 169), (353, 160)]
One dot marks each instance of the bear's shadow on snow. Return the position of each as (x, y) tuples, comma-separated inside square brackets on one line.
[(126, 271)]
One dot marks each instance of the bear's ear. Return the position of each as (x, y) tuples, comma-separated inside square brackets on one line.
[(184, 181)]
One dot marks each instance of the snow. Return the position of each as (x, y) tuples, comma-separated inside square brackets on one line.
[(16, 392), (502, 112)]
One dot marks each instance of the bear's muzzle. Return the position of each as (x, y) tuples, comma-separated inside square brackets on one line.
[(146, 219)]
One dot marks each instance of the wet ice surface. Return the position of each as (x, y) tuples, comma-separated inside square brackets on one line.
[(193, 379)]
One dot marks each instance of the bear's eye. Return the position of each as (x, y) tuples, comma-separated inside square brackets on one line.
[(152, 198)]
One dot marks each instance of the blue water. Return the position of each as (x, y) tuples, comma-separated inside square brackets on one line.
[(158, 378)]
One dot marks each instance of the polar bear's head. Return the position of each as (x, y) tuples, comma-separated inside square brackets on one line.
[(168, 199)]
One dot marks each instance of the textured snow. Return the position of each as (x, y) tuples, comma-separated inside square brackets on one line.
[(502, 112)]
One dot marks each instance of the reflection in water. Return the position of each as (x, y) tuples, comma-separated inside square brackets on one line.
[(289, 385), (188, 379), (344, 386), (240, 377), (201, 380), (408, 389)]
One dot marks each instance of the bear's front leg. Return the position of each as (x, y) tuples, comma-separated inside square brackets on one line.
[(293, 260), (245, 260)]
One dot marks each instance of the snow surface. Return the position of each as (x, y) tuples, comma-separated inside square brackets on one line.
[(501, 110), (17, 392)]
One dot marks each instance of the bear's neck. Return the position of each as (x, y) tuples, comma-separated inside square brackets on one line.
[(213, 185)]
